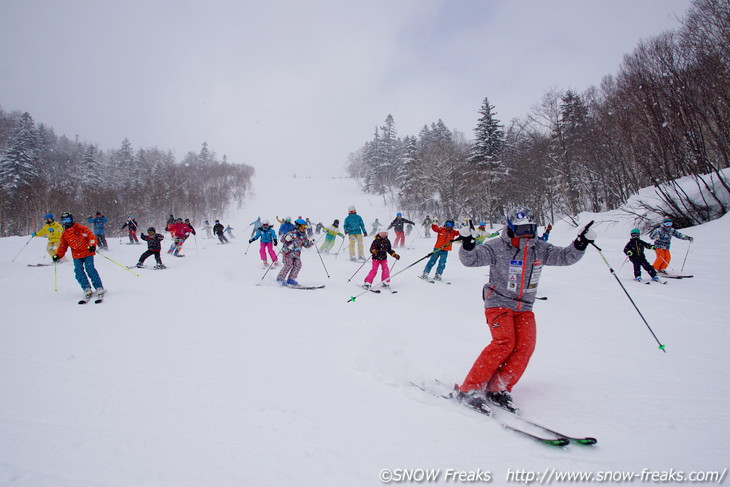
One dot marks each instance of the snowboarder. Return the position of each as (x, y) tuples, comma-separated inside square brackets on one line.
[(82, 242), (379, 250), (154, 247), (397, 225), (516, 259), (131, 226), (53, 230), (329, 236), (635, 250), (662, 237), (98, 221), (291, 248), (218, 230), (441, 250), (354, 227), (268, 242)]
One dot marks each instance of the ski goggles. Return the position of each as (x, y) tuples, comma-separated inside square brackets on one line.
[(524, 229), (66, 221), (667, 224), (449, 224)]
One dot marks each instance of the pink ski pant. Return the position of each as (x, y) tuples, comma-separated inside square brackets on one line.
[(270, 247), (374, 271)]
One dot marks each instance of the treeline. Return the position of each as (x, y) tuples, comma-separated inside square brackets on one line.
[(41, 172), (665, 115)]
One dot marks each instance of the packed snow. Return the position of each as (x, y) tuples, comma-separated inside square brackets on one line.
[(209, 374)]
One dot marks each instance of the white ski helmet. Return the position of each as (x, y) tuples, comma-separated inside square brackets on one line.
[(352, 209), (521, 221)]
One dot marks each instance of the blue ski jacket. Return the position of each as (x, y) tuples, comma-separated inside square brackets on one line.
[(267, 234)]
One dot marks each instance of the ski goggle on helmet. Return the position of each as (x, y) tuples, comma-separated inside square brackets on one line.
[(521, 221), (667, 222), (67, 220)]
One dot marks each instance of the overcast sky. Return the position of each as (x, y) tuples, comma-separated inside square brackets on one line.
[(297, 85)]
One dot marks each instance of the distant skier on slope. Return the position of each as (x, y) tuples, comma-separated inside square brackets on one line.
[(516, 259), (330, 235), (355, 230), (397, 225), (441, 249)]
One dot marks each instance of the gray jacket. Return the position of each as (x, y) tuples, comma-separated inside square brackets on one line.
[(515, 272)]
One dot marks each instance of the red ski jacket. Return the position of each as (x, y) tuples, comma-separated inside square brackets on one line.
[(78, 238)]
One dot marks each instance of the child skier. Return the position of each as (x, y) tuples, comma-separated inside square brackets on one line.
[(397, 225), (516, 260), (441, 250), (82, 242), (131, 226), (180, 232), (292, 244), (54, 230), (330, 234), (635, 250), (268, 242), (379, 250), (218, 230), (154, 246), (285, 225), (662, 237)]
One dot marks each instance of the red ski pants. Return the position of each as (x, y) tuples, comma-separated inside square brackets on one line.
[(663, 257), (502, 362), (400, 239)]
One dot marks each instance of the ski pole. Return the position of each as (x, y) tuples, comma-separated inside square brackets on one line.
[(321, 259), (622, 265), (22, 248), (55, 278), (120, 265), (661, 346), (249, 246), (272, 264), (341, 245), (426, 256), (685, 256), (358, 269)]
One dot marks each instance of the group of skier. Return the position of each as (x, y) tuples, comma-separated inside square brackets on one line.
[(515, 258)]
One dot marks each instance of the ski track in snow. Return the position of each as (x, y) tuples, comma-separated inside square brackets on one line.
[(206, 375)]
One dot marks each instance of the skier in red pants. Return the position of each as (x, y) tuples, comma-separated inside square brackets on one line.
[(516, 259)]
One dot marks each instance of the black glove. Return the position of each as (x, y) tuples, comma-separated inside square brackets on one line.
[(55, 258), (365, 234), (586, 237), (466, 235), (276, 242), (250, 240), (92, 248)]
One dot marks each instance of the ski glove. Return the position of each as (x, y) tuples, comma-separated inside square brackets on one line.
[(251, 240), (396, 256), (629, 253), (276, 242), (92, 248), (466, 235), (32, 234), (586, 237), (55, 258), (691, 239)]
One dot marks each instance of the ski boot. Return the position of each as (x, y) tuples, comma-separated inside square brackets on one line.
[(366, 285), (160, 266), (88, 293), (502, 399), (424, 276), (474, 399), (437, 277), (637, 279), (291, 282), (140, 265), (655, 278)]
